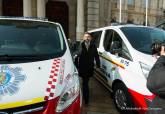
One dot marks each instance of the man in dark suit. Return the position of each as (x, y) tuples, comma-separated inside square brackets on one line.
[(87, 54)]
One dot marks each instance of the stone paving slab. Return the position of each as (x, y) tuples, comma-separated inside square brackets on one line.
[(100, 102)]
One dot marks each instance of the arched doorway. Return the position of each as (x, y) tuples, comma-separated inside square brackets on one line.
[(12, 7), (58, 11)]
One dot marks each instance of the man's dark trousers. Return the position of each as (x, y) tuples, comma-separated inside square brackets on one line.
[(86, 89)]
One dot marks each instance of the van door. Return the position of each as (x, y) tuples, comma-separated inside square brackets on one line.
[(97, 40), (106, 65), (115, 56)]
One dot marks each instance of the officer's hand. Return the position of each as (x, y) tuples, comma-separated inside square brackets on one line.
[(162, 52)]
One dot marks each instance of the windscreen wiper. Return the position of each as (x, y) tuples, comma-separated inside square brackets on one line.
[(7, 57)]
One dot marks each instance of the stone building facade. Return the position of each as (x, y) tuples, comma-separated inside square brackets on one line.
[(77, 16), (135, 11), (99, 13)]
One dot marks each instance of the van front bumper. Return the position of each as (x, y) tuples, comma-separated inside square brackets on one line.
[(74, 108), (46, 107), (141, 101)]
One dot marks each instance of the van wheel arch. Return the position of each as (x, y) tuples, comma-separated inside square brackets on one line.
[(117, 87), (115, 83)]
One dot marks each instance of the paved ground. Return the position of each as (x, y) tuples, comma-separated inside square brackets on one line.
[(100, 100)]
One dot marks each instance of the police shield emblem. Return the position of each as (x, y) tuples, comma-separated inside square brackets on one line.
[(10, 78)]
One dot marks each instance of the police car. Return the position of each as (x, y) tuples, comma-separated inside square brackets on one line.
[(126, 59), (37, 74)]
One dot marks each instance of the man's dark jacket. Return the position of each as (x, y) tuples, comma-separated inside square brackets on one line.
[(156, 84), (86, 59)]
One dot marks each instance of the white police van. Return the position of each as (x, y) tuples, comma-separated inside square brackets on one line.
[(126, 59), (37, 74)]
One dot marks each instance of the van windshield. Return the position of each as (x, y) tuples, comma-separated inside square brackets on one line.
[(30, 39), (142, 38)]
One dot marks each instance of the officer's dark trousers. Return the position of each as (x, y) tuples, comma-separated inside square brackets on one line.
[(86, 89)]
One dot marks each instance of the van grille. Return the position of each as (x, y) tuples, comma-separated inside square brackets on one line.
[(24, 109)]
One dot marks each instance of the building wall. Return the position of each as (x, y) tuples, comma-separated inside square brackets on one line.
[(137, 11), (93, 12), (72, 4), (72, 13)]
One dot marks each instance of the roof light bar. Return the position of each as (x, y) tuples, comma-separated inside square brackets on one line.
[(29, 18)]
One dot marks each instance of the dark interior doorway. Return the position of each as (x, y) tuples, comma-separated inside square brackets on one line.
[(12, 7), (58, 11)]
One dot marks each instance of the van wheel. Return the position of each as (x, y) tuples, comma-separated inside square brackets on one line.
[(123, 99)]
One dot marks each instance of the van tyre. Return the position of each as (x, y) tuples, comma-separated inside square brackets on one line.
[(123, 99)]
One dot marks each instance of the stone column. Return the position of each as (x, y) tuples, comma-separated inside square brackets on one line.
[(163, 4), (27, 9), (95, 13), (80, 19), (40, 8)]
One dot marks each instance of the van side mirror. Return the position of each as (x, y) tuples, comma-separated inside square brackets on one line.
[(116, 47)]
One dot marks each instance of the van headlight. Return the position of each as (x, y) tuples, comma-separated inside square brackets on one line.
[(70, 92), (145, 69)]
